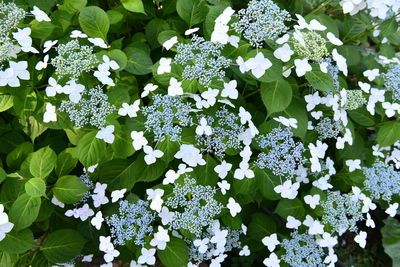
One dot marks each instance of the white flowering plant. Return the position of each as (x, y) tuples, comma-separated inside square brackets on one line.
[(199, 133)]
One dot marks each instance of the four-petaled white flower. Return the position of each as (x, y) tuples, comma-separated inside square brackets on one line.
[(151, 154), (353, 164), (291, 122), (138, 140), (230, 90), (284, 53), (165, 65), (155, 196), (312, 200), (106, 134), (147, 89), (130, 110), (271, 242), (233, 206), (50, 113), (147, 256), (392, 210), (302, 66), (272, 260), (202, 244), (39, 14), (258, 65), (203, 128), (170, 42), (223, 169), (174, 87), (117, 195), (97, 220), (361, 239)]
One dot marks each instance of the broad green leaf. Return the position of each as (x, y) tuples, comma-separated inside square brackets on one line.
[(91, 150), (42, 162), (192, 12), (25, 102), (66, 161), (6, 102), (119, 57), (176, 253), (72, 6), (69, 189), (133, 5), (8, 259), (32, 127), (213, 13), (3, 175), (94, 22), (24, 211), (63, 245), (319, 80), (290, 207), (260, 226), (391, 239), (170, 148), (18, 155), (297, 110), (388, 27), (246, 186), (139, 61), (205, 174), (153, 29), (266, 182), (388, 133), (35, 187), (17, 242), (122, 145), (362, 117), (276, 95)]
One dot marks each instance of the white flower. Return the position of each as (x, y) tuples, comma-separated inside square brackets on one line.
[(97, 220), (170, 42), (190, 155), (364, 86), (98, 42), (371, 74), (234, 207), (5, 225), (319, 150), (155, 196), (147, 256), (201, 244), (170, 177), (147, 89), (190, 31), (230, 90), (291, 122), (312, 200), (312, 101), (106, 134), (333, 39), (42, 64), (292, 223), (322, 183), (166, 216), (244, 115), (353, 164), (340, 61), (165, 65), (369, 222), (327, 241), (271, 242), (258, 65), (203, 128), (210, 96), (151, 154), (219, 237), (74, 90), (287, 189), (117, 195), (245, 251), (77, 34), (243, 171), (174, 87), (242, 66), (223, 169), (367, 205), (361, 239), (314, 226), (17, 70), (392, 210), (138, 140), (283, 53), (161, 238), (39, 14), (57, 202), (130, 110), (54, 88), (272, 261), (135, 264), (87, 258), (22, 36), (302, 66), (109, 63), (50, 113), (391, 109), (224, 186), (48, 45)]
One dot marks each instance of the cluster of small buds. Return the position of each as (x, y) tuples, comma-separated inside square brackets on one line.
[(89, 184), (355, 99), (202, 60), (342, 212), (302, 250), (166, 116), (10, 16), (392, 81), (196, 253), (284, 155), (194, 206), (312, 46), (261, 20), (327, 128), (226, 130), (133, 221), (92, 109), (382, 181), (73, 59)]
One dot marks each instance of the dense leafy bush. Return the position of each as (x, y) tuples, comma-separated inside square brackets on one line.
[(186, 132)]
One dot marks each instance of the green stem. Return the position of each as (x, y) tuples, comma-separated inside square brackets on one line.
[(320, 7)]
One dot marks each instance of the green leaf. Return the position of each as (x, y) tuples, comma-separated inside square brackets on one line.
[(119, 57), (276, 95), (91, 150), (122, 145), (389, 133), (35, 187), (176, 253), (6, 102), (25, 102), (43, 162), (260, 226), (133, 5), (139, 61), (69, 189), (17, 242), (94, 22), (292, 207), (24, 211), (245, 187), (3, 175), (391, 239), (319, 80), (362, 117), (388, 27), (297, 110), (72, 6), (266, 182), (63, 245), (66, 161), (205, 174), (192, 12)]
